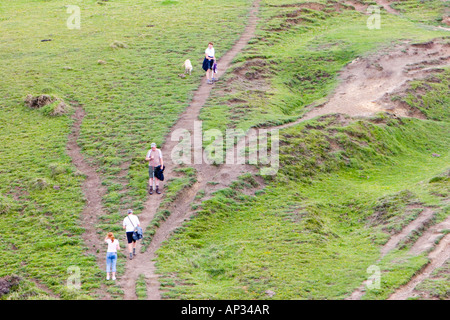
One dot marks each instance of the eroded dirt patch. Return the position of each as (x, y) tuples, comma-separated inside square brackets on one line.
[(368, 83)]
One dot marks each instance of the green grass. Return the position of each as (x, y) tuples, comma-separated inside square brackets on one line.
[(437, 286), (430, 96), (340, 192), (41, 200), (302, 236), (141, 288), (427, 12), (296, 64), (131, 100), (306, 234)]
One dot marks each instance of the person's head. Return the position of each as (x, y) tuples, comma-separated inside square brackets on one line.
[(111, 236), (153, 145), (129, 211), (210, 45)]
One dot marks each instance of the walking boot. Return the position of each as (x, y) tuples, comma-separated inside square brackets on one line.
[(150, 190), (157, 190)]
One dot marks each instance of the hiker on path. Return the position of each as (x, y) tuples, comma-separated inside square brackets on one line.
[(111, 255), (208, 62), (130, 222), (155, 159)]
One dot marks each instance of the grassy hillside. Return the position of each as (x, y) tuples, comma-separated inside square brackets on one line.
[(294, 61), (122, 67), (311, 234), (344, 185)]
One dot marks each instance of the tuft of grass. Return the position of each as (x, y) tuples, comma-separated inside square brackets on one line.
[(141, 288)]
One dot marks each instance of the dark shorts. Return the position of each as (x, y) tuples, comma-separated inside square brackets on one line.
[(151, 172), (207, 64), (130, 237)]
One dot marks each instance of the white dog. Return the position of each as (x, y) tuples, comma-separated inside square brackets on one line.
[(187, 66)]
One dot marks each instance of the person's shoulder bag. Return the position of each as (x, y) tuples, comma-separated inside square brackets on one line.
[(137, 233)]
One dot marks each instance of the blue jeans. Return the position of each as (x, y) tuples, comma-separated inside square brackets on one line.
[(111, 260)]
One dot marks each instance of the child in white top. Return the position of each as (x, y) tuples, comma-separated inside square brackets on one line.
[(111, 255)]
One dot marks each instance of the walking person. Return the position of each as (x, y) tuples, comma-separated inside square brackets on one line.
[(208, 62), (155, 159), (111, 255), (130, 222)]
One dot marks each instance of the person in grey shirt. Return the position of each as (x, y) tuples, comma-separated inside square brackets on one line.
[(154, 158)]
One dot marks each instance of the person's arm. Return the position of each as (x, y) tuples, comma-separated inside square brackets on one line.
[(106, 239), (147, 157), (161, 160), (118, 246)]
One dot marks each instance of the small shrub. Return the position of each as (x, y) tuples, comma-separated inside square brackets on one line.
[(49, 105), (118, 44), (39, 184)]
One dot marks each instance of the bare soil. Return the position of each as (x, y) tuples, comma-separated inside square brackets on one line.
[(437, 257), (364, 90), (93, 191), (223, 176), (420, 222)]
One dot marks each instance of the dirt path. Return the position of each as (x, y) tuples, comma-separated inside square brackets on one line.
[(427, 241), (93, 191), (365, 87), (438, 256), (424, 218), (143, 264)]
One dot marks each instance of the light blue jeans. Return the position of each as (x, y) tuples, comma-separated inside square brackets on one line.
[(111, 261)]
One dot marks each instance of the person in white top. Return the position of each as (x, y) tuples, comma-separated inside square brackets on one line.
[(111, 255), (208, 62), (130, 222)]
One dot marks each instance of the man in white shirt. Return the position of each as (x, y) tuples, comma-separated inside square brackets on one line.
[(208, 62), (130, 223)]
